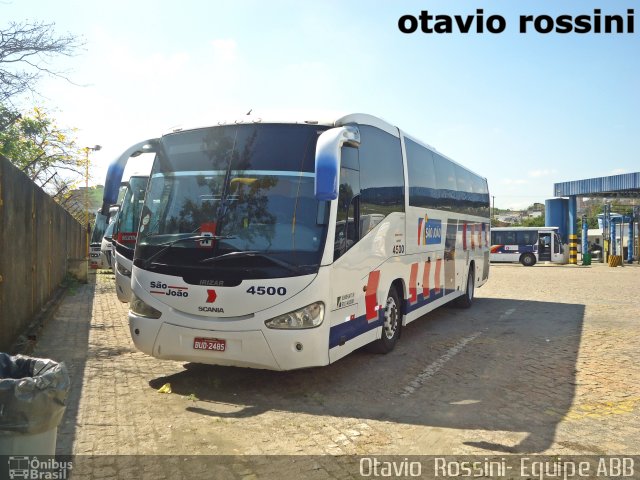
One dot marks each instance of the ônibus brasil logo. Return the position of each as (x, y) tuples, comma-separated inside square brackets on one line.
[(429, 231), (34, 468)]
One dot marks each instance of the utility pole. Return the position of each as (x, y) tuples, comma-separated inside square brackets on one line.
[(86, 194), (494, 207)]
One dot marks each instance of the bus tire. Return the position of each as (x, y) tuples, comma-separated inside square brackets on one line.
[(528, 260), (466, 300), (390, 326)]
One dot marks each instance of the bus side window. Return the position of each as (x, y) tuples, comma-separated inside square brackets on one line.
[(348, 218)]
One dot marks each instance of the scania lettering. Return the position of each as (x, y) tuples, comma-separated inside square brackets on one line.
[(299, 242)]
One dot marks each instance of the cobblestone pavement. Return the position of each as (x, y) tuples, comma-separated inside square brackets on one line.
[(546, 361)]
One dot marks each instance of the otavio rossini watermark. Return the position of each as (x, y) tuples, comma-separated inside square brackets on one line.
[(513, 467)]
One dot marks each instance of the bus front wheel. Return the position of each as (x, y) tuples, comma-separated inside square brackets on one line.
[(528, 260), (390, 324)]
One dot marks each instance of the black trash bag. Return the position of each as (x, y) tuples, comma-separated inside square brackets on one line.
[(33, 392)]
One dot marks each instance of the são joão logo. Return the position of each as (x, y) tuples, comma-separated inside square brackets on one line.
[(429, 231)]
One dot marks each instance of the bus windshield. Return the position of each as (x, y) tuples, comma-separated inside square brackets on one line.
[(98, 229), (237, 198), (129, 217)]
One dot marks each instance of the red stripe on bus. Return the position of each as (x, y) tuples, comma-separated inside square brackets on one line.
[(426, 292), (473, 236), (371, 295), (413, 278), (464, 236)]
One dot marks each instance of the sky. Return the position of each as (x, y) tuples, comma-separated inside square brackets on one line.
[(525, 110)]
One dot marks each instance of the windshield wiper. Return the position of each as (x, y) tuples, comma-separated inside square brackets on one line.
[(193, 238), (252, 253)]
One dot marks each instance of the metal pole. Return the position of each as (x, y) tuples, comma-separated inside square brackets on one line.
[(613, 238), (86, 200), (605, 231), (585, 232), (630, 241), (573, 237), (494, 206), (86, 194)]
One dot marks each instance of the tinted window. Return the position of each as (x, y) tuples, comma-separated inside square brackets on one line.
[(422, 175), (346, 228), (527, 237), (247, 147), (445, 173), (381, 172), (503, 238)]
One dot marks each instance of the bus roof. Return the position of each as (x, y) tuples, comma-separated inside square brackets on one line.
[(318, 118)]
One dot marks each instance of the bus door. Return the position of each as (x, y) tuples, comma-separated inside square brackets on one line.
[(450, 256), (545, 240), (557, 252)]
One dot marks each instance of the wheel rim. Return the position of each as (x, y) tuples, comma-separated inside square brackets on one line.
[(390, 318), (470, 287)]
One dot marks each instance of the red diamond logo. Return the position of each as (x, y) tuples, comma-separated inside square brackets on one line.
[(211, 296)]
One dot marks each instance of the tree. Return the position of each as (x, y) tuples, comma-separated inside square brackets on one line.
[(25, 51), (46, 153)]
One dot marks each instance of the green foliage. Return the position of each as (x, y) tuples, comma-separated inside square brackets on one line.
[(531, 222), (46, 153), (36, 145)]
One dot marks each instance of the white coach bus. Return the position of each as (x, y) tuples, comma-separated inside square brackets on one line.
[(125, 233), (286, 245)]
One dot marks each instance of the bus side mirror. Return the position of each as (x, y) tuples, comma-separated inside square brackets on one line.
[(116, 169), (328, 159)]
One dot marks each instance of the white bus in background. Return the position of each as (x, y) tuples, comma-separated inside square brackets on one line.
[(97, 257), (125, 233), (106, 252), (527, 245), (284, 245)]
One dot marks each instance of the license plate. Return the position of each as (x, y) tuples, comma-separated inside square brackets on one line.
[(214, 344)]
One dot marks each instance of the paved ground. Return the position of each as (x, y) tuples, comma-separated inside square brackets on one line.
[(546, 361)]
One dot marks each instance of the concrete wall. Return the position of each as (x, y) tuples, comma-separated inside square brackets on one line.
[(38, 238)]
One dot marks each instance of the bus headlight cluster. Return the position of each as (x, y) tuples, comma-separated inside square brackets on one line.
[(142, 309), (310, 316), (122, 270)]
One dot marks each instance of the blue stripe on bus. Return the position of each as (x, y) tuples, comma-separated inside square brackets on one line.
[(521, 249), (349, 330), (421, 301)]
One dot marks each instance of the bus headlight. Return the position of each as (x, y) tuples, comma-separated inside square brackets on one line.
[(310, 316), (141, 309), (123, 271)]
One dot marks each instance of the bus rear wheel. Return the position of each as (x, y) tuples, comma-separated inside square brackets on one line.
[(466, 300), (390, 325), (528, 260)]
